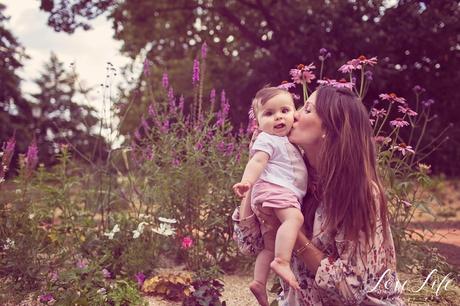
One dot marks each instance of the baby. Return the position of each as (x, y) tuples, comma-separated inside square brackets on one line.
[(277, 175)]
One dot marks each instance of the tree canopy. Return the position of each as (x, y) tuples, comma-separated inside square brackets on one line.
[(257, 41)]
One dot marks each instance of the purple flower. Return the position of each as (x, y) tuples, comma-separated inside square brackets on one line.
[(199, 146), (229, 149), (165, 127), (172, 100), (204, 50), (31, 157), (45, 298), (106, 273), (221, 146), (144, 123), (368, 75), (175, 162), (152, 111), (324, 54), (196, 72), (8, 151), (212, 97), (148, 153), (399, 122), (82, 263), (428, 102), (140, 278), (418, 89), (165, 80), (181, 103), (146, 67), (137, 135)]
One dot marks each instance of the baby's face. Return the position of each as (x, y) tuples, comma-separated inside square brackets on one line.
[(276, 116)]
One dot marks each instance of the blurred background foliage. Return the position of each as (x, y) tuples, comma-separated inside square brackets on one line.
[(255, 42)]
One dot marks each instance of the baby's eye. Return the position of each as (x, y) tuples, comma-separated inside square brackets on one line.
[(286, 110), (268, 114)]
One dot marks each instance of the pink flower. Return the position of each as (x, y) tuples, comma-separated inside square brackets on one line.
[(403, 148), (372, 121), (251, 114), (379, 113), (392, 98), (351, 65), (342, 83), (181, 103), (302, 74), (365, 61), (187, 242), (407, 110), (399, 122), (382, 140), (286, 85)]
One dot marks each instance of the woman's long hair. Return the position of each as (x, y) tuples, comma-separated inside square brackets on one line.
[(346, 180)]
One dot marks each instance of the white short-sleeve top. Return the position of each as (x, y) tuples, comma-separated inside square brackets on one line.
[(285, 166)]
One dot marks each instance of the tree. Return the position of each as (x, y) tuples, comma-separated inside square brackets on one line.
[(15, 112), (59, 119), (258, 41)]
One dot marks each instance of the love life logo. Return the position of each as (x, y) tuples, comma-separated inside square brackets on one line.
[(430, 281)]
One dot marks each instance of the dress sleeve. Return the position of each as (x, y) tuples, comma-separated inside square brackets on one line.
[(354, 274), (246, 233)]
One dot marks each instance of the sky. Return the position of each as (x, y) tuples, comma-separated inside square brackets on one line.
[(85, 51), (89, 51)]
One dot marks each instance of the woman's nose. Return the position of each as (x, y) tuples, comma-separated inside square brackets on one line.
[(296, 116)]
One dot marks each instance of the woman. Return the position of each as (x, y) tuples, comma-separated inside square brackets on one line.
[(345, 252)]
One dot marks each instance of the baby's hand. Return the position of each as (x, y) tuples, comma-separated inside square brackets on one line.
[(241, 188)]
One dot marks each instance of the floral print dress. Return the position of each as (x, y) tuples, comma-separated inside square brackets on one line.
[(351, 274)]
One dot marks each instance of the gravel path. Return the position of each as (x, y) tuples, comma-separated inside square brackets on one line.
[(236, 292)]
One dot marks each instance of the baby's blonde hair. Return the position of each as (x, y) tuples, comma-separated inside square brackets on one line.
[(265, 94)]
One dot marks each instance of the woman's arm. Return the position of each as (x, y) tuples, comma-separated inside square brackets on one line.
[(308, 253)]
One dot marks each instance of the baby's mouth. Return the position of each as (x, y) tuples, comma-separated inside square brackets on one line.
[(280, 126)]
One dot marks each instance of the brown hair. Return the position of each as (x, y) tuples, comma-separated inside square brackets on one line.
[(347, 181), (265, 94)]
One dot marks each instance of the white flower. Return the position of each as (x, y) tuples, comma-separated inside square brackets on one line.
[(166, 220), (140, 229), (9, 244), (114, 230), (102, 291), (165, 229), (31, 216)]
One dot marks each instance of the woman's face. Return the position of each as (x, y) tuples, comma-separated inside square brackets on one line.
[(307, 128)]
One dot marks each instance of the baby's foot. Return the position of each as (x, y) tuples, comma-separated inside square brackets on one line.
[(282, 268), (259, 291)]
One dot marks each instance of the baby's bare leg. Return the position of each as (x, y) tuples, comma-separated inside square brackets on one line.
[(262, 269), (291, 221)]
